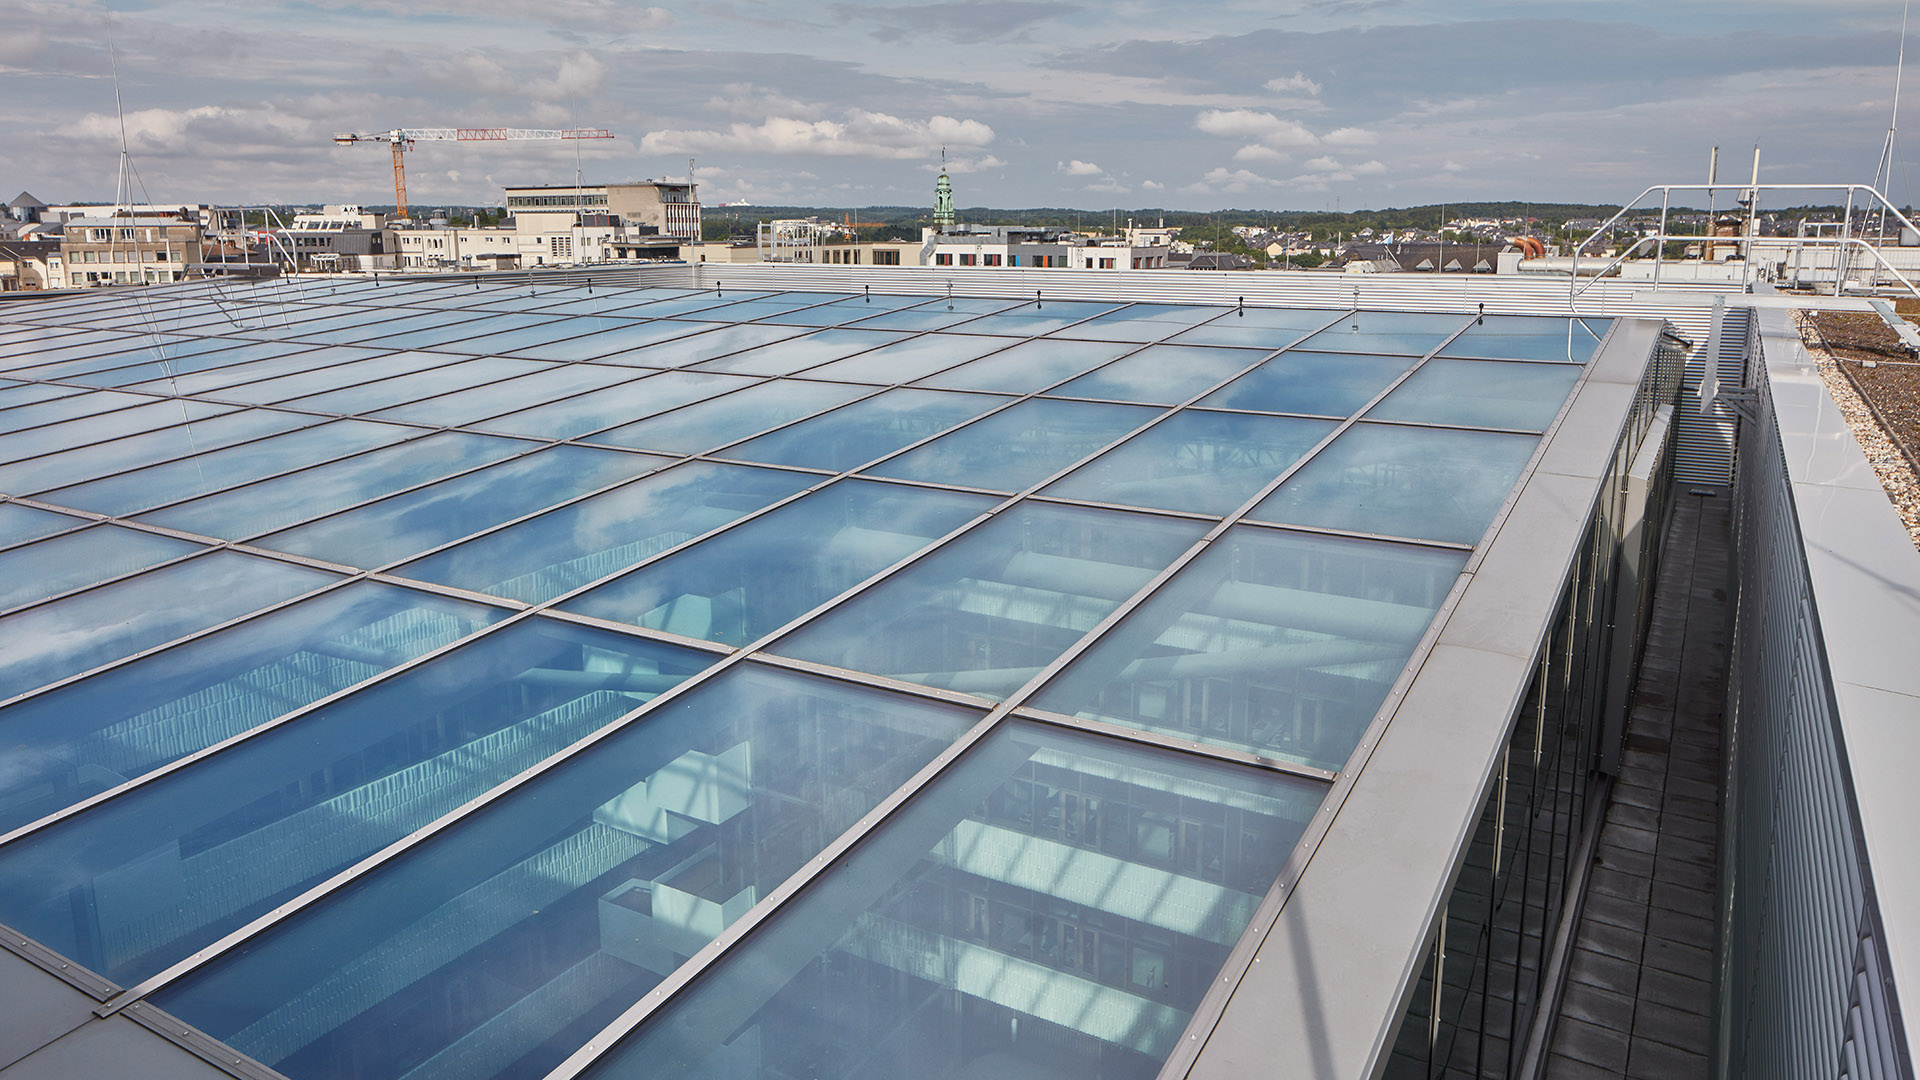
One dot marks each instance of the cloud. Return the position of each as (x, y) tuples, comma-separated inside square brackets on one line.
[(956, 166), (966, 21), (1453, 167), (1108, 185), (1077, 167), (586, 14), (1151, 185), (861, 134), (1296, 83), (580, 75), (1369, 168), (1236, 180), (1268, 129), (747, 99), (1257, 152), (1350, 136), (472, 71)]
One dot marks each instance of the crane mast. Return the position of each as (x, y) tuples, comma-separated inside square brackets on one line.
[(402, 140)]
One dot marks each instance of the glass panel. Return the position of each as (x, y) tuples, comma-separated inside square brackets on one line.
[(1280, 644), (497, 949), (910, 359), (604, 408), (507, 341), (1480, 393), (19, 524), (845, 311), (163, 357), (272, 504), (146, 488), (406, 525), (18, 393), (1258, 328), (1053, 906), (273, 365), (608, 342), (1385, 332), (1141, 322), (66, 637), (1018, 447), (82, 739), (682, 352), (1160, 374), (1030, 320), (865, 430), (388, 331), (751, 580), (86, 462), (1397, 481), (420, 384), (707, 424), (1525, 337), (787, 357), (51, 567), (461, 331), (1324, 384), (175, 864), (985, 613), (937, 315), (47, 412), (1030, 366), (1207, 463), (333, 377), (89, 429), (541, 558), (545, 384)]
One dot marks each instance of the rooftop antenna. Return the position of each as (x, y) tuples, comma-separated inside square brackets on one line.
[(1893, 123)]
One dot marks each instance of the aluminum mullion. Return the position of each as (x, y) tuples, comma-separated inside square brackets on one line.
[(305, 348), (1174, 744), (116, 579), (79, 523)]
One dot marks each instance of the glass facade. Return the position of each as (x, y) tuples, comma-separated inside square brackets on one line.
[(426, 679)]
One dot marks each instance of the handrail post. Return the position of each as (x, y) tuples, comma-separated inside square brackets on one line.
[(1660, 250), (1846, 239)]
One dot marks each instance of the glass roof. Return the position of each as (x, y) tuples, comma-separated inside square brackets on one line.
[(407, 678)]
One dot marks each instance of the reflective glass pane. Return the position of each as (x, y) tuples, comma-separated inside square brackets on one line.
[(751, 580), (91, 429), (608, 342), (66, 637), (272, 504), (1141, 322), (332, 377), (1258, 328), (47, 412), (937, 315), (707, 424), (787, 357), (1160, 374), (1385, 332), (545, 384), (1281, 644), (865, 430), (617, 404), (986, 612), (496, 949), (1017, 447), (494, 344), (54, 566), (176, 863), (682, 352), (846, 311), (1524, 337), (1399, 481), (910, 359), (19, 393), (73, 743), (1323, 384), (1030, 320), (543, 557), (466, 331), (1027, 367), (270, 366), (142, 489), (1203, 462), (85, 462), (18, 524), (393, 529), (163, 356), (420, 384), (1480, 393), (1052, 906)]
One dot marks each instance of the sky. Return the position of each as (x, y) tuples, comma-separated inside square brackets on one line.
[(1252, 104)]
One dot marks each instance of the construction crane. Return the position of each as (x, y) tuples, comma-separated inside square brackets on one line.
[(402, 140)]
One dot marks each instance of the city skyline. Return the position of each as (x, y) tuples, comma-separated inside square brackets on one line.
[(1355, 103)]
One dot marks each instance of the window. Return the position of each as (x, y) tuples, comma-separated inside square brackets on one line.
[(993, 260), (886, 258), (943, 260), (969, 260), (1106, 264)]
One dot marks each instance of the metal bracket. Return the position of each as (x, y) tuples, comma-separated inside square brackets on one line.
[(1743, 400)]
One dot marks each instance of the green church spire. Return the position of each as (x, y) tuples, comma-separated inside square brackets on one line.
[(943, 196)]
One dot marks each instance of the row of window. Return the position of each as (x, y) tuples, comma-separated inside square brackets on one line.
[(157, 255), (1043, 261), (562, 201)]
